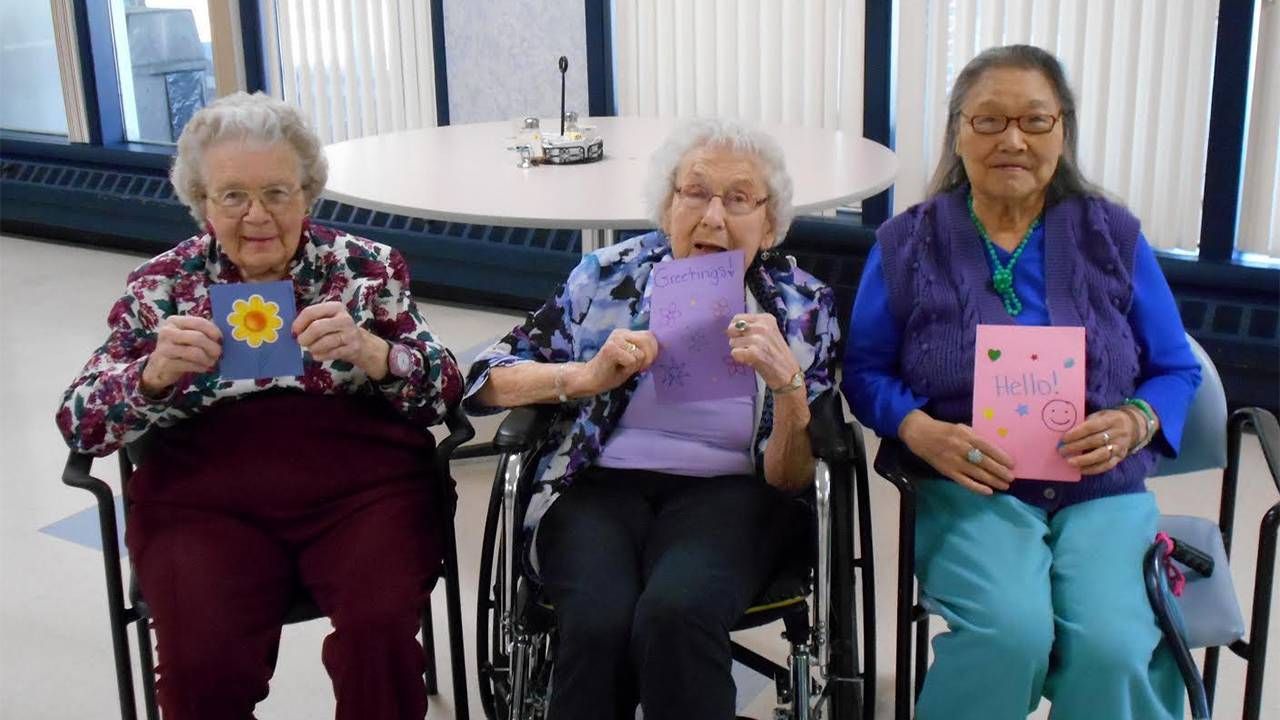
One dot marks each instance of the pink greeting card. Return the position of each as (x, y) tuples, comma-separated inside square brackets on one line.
[(1028, 389)]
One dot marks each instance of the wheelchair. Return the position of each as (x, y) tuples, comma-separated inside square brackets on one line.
[(1206, 615), (516, 629), (77, 474)]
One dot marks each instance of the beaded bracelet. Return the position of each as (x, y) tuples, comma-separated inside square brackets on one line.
[(559, 382), (1148, 415)]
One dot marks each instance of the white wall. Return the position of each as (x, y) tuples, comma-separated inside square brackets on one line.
[(501, 58)]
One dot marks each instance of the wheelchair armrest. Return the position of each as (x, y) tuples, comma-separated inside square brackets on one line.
[(523, 427), (896, 463), (460, 431), (828, 431), (1264, 423)]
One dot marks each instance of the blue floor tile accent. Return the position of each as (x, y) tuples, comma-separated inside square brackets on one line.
[(82, 527)]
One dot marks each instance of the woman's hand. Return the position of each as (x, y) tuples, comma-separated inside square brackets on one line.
[(756, 341), (329, 332), (947, 446), (184, 344), (624, 354), (1100, 441)]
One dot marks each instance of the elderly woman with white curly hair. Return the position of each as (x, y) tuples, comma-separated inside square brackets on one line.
[(252, 488), (657, 525)]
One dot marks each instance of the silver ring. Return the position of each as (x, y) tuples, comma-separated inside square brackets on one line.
[(1106, 438), (631, 347), (740, 325), (974, 456)]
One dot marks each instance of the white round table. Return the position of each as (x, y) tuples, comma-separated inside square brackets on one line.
[(466, 173)]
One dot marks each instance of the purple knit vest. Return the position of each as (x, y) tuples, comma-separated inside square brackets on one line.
[(940, 289)]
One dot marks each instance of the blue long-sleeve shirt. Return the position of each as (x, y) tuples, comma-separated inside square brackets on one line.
[(1169, 370)]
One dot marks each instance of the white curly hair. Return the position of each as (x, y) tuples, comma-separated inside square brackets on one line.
[(693, 134), (256, 118)]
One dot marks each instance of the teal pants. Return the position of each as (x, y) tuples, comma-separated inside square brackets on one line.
[(1041, 604)]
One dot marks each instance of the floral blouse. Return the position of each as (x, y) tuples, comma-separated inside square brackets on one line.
[(105, 408), (608, 290)]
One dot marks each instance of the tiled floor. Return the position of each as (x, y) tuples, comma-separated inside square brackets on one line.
[(55, 655)]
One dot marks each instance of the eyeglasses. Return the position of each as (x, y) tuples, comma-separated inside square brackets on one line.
[(236, 203), (736, 202), (1033, 124)]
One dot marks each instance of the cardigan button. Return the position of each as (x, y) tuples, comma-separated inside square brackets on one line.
[(1050, 494)]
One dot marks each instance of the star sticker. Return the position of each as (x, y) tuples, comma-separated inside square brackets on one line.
[(1035, 356), (1023, 410)]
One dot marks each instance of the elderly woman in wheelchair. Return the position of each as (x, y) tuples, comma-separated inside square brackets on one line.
[(651, 528)]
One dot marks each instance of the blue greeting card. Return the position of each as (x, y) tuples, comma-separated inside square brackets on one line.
[(255, 319)]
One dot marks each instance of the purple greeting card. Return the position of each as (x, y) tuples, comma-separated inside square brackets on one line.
[(254, 319), (1028, 389), (691, 305)]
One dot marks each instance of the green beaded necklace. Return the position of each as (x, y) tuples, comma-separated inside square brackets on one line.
[(1002, 275)]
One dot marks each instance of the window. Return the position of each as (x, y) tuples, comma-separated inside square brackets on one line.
[(164, 55), (29, 57)]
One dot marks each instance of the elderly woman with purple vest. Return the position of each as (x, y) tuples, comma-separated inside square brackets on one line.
[(1039, 582)]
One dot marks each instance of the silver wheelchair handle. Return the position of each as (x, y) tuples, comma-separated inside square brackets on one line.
[(822, 594), (510, 492)]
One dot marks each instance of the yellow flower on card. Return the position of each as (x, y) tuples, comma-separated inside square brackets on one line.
[(255, 321)]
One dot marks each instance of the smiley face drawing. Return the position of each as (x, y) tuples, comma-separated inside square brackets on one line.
[(1059, 415)]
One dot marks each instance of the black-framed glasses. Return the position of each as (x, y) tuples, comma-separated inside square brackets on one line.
[(1032, 124), (736, 202)]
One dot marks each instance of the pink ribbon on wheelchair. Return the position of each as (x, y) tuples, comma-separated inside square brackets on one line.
[(1177, 581)]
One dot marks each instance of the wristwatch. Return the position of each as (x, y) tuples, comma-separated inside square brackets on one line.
[(400, 361), (795, 383)]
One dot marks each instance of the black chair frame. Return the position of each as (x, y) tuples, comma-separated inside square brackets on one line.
[(77, 473), (515, 630)]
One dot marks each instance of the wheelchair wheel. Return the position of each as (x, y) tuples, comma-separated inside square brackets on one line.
[(491, 657)]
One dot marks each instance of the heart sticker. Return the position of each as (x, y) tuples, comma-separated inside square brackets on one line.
[(1069, 363), (995, 355), (1002, 431)]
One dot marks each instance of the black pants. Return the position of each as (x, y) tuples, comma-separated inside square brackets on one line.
[(648, 572)]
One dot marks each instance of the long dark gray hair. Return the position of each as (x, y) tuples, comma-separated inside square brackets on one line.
[(1067, 180)]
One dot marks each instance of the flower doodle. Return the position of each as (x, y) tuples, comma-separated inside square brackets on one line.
[(673, 375), (734, 367), (670, 313)]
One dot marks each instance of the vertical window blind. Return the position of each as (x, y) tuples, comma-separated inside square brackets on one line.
[(1142, 71), (354, 67), (771, 62), (1260, 195)]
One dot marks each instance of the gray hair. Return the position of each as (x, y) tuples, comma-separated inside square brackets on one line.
[(256, 118), (1067, 180), (693, 134)]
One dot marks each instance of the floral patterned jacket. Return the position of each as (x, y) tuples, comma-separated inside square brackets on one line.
[(104, 408), (608, 290)]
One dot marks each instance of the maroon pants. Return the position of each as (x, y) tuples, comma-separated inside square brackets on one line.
[(234, 511)]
